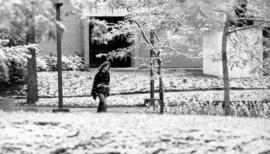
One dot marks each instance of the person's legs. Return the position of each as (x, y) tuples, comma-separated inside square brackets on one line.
[(102, 106)]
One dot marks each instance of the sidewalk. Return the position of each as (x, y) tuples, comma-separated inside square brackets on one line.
[(8, 105)]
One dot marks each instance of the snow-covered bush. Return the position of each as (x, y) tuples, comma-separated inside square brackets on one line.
[(16, 62), (69, 63), (42, 64), (47, 63)]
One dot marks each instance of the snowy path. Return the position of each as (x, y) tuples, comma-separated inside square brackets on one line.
[(35, 133)]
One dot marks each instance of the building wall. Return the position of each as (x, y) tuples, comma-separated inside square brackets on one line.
[(72, 37), (241, 59), (169, 60), (181, 61), (85, 41), (142, 53)]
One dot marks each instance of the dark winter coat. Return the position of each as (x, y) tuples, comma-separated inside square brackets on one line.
[(104, 79)]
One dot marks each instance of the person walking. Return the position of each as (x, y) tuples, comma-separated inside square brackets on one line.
[(101, 88)]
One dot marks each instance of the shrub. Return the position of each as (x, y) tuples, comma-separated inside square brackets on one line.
[(42, 64), (46, 63), (16, 61), (13, 63), (11, 41), (69, 63), (243, 108), (77, 63)]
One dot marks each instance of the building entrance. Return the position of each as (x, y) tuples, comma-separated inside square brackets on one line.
[(117, 43)]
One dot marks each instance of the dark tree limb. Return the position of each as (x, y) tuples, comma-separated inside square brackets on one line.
[(156, 36), (247, 27), (143, 33), (254, 19)]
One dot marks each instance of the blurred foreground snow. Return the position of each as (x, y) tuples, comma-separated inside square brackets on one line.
[(29, 132)]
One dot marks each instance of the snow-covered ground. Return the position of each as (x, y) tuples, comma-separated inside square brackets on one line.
[(245, 103), (135, 83), (34, 133), (80, 83)]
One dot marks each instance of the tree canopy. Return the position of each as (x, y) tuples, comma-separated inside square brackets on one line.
[(20, 17)]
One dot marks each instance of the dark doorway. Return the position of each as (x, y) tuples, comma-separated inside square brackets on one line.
[(118, 42)]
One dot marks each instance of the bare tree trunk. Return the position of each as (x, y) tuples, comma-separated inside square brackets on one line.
[(32, 86), (152, 82), (225, 68), (161, 89)]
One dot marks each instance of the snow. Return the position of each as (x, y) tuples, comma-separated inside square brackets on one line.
[(201, 101), (244, 103), (80, 83), (29, 132)]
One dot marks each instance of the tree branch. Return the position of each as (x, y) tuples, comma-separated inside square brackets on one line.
[(254, 19), (156, 36), (143, 33), (21, 37), (155, 54), (200, 11), (176, 52), (247, 27)]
